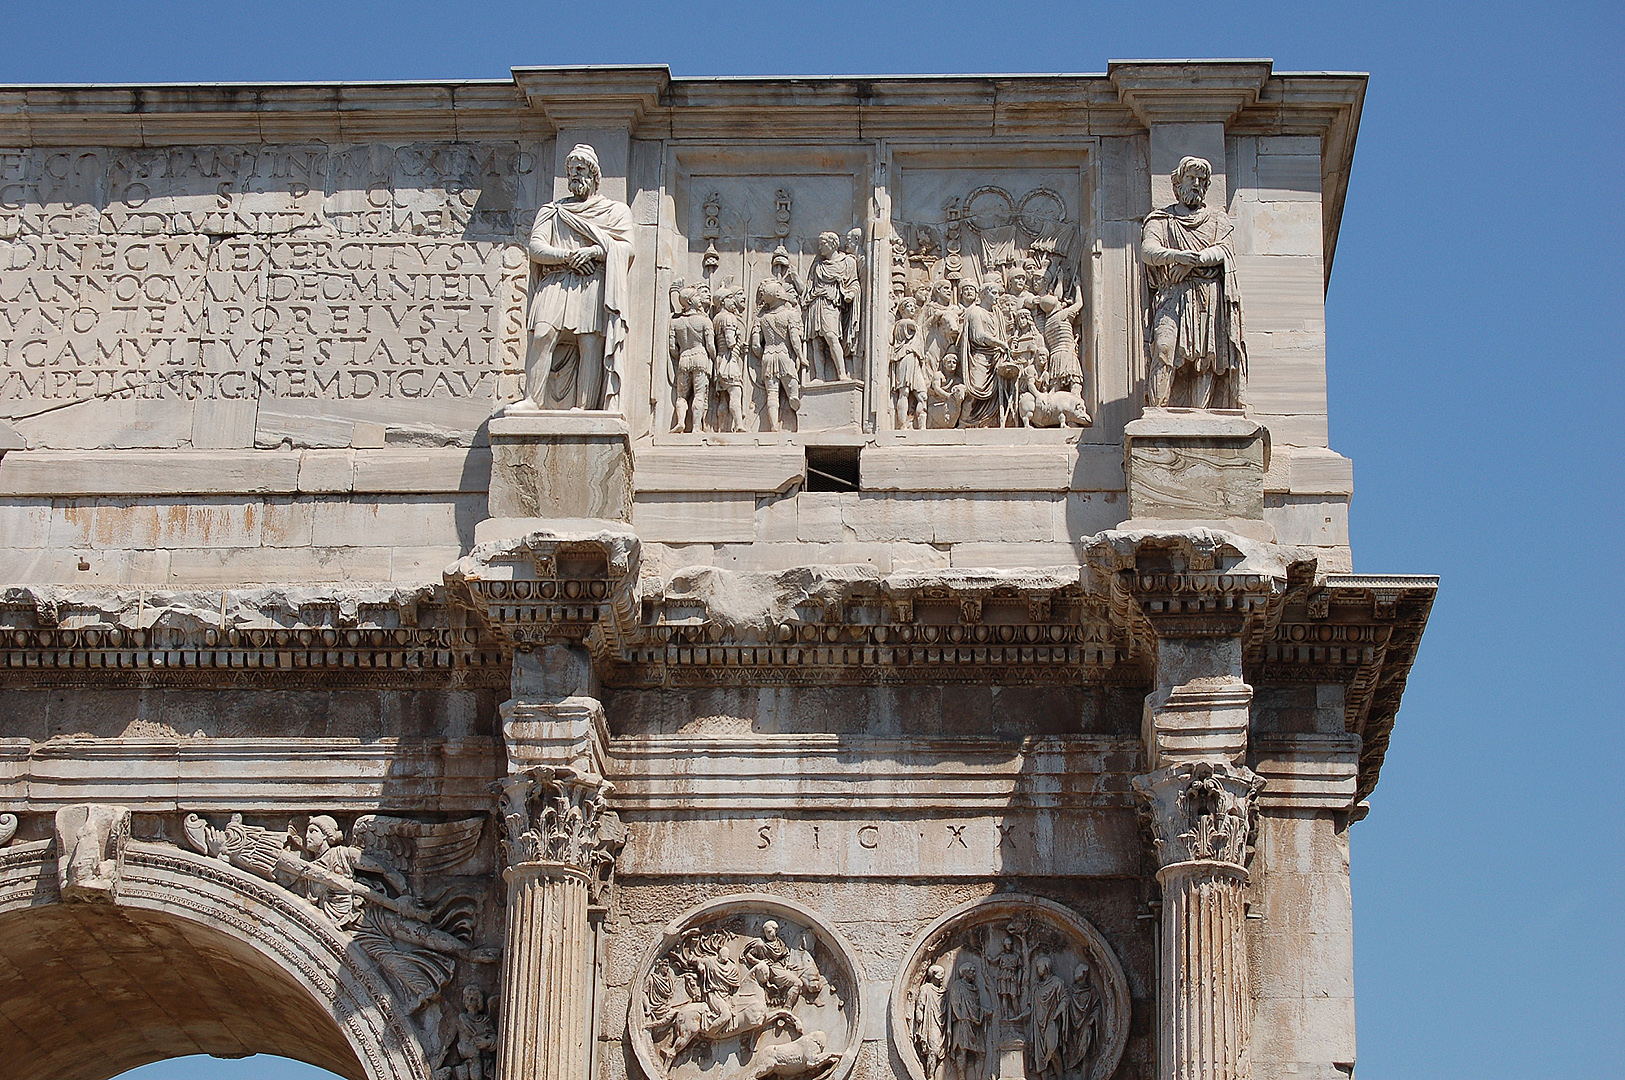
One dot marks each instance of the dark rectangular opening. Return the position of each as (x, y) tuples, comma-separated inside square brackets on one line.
[(832, 468)]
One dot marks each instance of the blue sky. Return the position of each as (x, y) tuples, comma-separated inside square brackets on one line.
[(1473, 368)]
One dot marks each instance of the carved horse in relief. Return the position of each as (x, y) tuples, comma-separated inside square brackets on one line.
[(735, 1005)]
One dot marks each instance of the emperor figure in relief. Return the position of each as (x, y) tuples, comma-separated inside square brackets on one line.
[(1198, 357), (582, 248)]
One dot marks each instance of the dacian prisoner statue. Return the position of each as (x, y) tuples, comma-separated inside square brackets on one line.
[(1198, 358), (582, 249)]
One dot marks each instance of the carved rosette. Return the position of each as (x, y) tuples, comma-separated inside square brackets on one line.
[(747, 988), (1011, 988), (1203, 811), (558, 814)]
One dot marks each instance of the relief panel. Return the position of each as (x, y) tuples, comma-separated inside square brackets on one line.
[(989, 292), (1015, 988), (768, 293)]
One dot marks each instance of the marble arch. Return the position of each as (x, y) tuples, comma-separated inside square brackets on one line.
[(195, 957), (947, 511)]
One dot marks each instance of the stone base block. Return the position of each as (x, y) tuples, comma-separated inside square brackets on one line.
[(826, 406), (1195, 465), (561, 465)]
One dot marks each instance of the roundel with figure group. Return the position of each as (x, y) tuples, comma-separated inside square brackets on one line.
[(1012, 986), (748, 988)]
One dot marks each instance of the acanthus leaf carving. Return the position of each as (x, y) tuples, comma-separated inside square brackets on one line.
[(362, 885), (1201, 811), (559, 814)]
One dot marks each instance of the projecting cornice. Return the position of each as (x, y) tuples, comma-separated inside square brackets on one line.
[(610, 96), (1188, 91)]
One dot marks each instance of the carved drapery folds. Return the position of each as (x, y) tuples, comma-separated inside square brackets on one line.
[(1201, 811), (771, 312), (1013, 988), (380, 884), (986, 314), (1198, 357), (750, 987)]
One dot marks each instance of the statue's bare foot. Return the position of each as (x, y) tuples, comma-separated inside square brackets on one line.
[(520, 408)]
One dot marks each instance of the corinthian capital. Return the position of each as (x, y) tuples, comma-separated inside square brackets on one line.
[(558, 814), (1201, 810)]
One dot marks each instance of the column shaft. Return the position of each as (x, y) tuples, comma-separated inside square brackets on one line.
[(1206, 1002), (547, 975)]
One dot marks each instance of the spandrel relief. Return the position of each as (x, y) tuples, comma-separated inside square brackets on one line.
[(746, 989), (1015, 987), (778, 267), (987, 300), (385, 882)]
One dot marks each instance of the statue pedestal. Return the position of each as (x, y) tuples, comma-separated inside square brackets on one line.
[(561, 465), (1012, 1057), (826, 406), (1196, 467)]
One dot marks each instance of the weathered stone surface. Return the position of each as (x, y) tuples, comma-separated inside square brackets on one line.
[(360, 711), (1193, 466), (548, 465)]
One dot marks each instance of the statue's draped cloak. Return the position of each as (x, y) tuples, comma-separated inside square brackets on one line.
[(587, 303), (1204, 302)]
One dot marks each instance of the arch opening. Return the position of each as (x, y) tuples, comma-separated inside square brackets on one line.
[(89, 991)]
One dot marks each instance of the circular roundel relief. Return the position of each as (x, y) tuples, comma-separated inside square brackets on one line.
[(1014, 975), (750, 987)]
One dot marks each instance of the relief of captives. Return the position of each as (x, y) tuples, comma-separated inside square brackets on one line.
[(748, 996), (986, 308)]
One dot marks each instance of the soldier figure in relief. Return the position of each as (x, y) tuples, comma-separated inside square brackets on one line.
[(693, 349), (582, 248), (1198, 355), (776, 339), (728, 330), (1007, 977), (1061, 337), (832, 302)]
